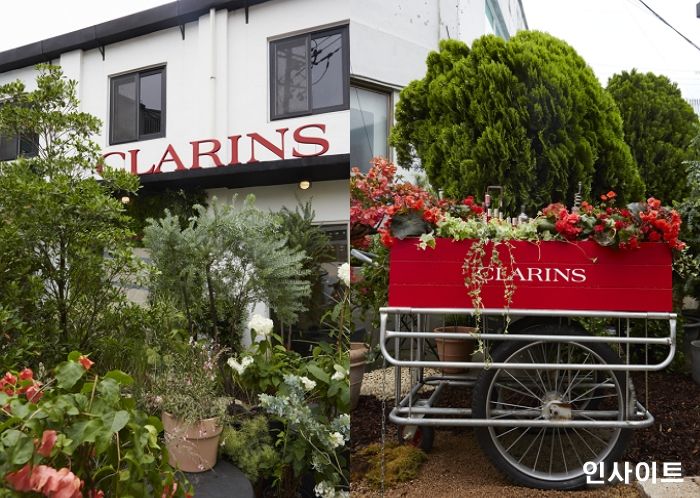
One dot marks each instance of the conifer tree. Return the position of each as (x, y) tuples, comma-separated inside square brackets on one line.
[(659, 128), (527, 113)]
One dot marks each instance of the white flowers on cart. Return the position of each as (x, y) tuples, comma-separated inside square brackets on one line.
[(262, 327), (344, 273)]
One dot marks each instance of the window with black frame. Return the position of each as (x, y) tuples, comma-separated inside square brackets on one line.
[(137, 106), (309, 73), (14, 146)]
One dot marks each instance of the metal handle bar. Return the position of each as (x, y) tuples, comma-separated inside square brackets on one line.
[(365, 257)]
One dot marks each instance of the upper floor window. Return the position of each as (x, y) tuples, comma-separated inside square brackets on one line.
[(12, 147), (309, 74), (370, 116), (137, 106)]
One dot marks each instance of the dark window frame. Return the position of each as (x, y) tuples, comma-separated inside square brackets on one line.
[(17, 139), (137, 80), (344, 31)]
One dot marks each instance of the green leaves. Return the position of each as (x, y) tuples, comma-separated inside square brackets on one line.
[(526, 113), (68, 373), (660, 127)]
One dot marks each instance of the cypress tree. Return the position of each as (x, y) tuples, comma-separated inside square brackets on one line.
[(659, 127), (527, 113)]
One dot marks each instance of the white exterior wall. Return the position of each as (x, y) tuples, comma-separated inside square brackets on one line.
[(217, 85), (390, 39)]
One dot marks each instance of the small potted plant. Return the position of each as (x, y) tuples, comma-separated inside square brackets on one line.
[(189, 393)]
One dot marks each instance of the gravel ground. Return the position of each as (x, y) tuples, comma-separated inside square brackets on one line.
[(456, 467)]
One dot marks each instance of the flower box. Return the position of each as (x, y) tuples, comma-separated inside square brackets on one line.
[(547, 275)]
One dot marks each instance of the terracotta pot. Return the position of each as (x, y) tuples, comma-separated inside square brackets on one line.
[(454, 349), (358, 356), (192, 447)]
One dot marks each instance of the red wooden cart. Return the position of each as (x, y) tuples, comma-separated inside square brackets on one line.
[(550, 398)]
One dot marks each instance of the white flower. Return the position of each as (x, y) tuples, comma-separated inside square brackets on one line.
[(240, 367), (308, 383), (344, 273), (339, 374), (336, 439), (262, 327), (427, 240)]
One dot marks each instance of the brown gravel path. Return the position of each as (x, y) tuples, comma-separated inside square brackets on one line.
[(457, 468)]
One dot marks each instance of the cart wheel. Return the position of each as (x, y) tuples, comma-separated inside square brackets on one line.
[(419, 436), (551, 457)]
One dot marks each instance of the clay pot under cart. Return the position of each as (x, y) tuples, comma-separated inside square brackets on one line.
[(455, 349)]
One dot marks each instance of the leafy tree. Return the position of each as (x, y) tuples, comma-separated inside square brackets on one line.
[(659, 128), (526, 113), (64, 237), (221, 264)]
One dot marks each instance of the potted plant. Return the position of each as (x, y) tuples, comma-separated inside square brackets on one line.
[(189, 393), (449, 349)]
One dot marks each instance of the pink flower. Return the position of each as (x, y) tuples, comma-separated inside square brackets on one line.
[(47, 481), (48, 440), (34, 393)]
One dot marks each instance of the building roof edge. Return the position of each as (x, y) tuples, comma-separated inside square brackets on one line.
[(141, 23)]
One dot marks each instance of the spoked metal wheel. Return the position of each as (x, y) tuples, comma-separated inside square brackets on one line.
[(551, 455)]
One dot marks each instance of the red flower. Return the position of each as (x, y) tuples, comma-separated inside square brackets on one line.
[(386, 238), (48, 440), (611, 195), (26, 374), (96, 494), (86, 362), (34, 394), (10, 379), (468, 201), (554, 209), (654, 203)]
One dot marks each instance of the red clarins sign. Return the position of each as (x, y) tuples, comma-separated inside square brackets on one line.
[(548, 275), (212, 152)]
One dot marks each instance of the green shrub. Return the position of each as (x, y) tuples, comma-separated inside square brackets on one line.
[(80, 427), (659, 128), (250, 448), (527, 113)]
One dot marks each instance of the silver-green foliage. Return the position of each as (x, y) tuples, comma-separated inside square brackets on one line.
[(250, 447), (221, 264)]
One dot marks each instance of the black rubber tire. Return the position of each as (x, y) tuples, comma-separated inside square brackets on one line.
[(423, 438), (483, 434)]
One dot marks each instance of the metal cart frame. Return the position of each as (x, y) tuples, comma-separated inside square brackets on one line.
[(416, 410)]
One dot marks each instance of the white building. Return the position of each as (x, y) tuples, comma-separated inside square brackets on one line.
[(261, 96), (238, 96), (234, 96)]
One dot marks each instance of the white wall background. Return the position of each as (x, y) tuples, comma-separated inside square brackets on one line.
[(217, 85)]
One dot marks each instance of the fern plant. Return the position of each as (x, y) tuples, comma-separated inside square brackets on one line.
[(224, 262), (304, 235)]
